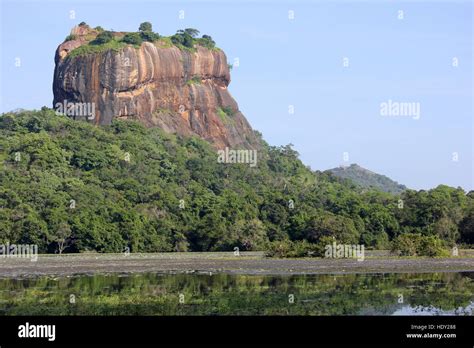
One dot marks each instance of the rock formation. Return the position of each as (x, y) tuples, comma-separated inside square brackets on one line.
[(181, 91)]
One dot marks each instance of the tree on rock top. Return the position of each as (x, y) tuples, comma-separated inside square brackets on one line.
[(145, 26), (103, 37), (191, 32)]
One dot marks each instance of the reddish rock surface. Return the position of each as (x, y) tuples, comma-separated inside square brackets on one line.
[(177, 90)]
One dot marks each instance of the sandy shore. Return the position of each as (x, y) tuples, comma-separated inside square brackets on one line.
[(224, 262)]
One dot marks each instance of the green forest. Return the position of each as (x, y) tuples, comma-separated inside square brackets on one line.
[(70, 186)]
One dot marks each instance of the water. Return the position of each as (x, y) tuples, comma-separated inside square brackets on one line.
[(224, 294)]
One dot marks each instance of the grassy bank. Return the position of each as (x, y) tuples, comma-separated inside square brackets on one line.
[(227, 262)]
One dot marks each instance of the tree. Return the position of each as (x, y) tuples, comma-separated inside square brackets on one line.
[(62, 236), (191, 32), (246, 235), (466, 228), (446, 229), (328, 224), (185, 37), (145, 26), (188, 41)]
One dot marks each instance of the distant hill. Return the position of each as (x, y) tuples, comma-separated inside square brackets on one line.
[(366, 178)]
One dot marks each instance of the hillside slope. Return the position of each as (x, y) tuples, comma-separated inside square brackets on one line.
[(71, 186)]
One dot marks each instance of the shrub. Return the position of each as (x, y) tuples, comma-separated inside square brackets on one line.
[(228, 110), (180, 242), (113, 45), (132, 38), (207, 37), (221, 114), (70, 37), (320, 246), (414, 244), (225, 112), (165, 42), (195, 80), (288, 249), (207, 41), (99, 28), (177, 39), (432, 246), (103, 38), (187, 38), (406, 244), (149, 36), (183, 38)]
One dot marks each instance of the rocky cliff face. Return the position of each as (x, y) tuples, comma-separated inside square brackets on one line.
[(178, 90)]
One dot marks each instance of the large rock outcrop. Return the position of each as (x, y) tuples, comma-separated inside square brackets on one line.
[(178, 90)]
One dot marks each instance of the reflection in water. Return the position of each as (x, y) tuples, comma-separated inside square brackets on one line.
[(420, 310), (224, 294)]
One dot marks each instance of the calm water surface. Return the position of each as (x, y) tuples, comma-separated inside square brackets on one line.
[(224, 294)]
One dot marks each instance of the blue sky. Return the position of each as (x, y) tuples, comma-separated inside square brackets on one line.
[(299, 62)]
